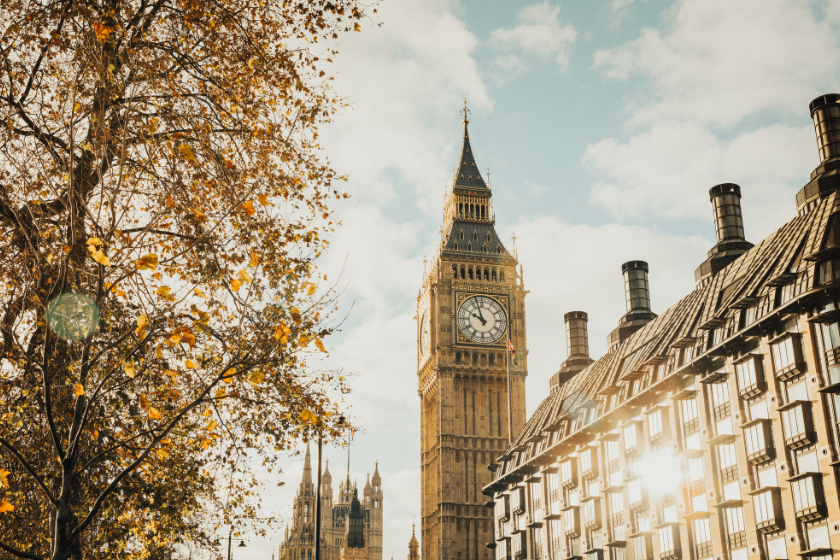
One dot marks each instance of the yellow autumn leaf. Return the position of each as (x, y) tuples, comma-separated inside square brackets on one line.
[(175, 338), (149, 262), (163, 293), (255, 260), (187, 151), (144, 402), (99, 256), (93, 242), (158, 353), (263, 198), (294, 312), (78, 390), (4, 478), (189, 338), (235, 285), (307, 416), (320, 345), (357, 27), (211, 425), (129, 369), (199, 215), (6, 506), (249, 208), (244, 276), (220, 393), (142, 321), (303, 341), (154, 413), (190, 364), (282, 330), (199, 293), (256, 377), (208, 413)]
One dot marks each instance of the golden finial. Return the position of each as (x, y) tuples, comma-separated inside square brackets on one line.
[(465, 111)]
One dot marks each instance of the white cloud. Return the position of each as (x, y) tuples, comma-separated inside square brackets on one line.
[(689, 160), (717, 61), (406, 81), (570, 267), (539, 32), (619, 10), (710, 79)]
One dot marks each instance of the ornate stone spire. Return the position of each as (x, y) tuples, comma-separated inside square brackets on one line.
[(307, 468), (467, 174), (376, 480), (355, 524), (413, 546)]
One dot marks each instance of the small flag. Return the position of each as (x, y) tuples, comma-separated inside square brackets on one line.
[(512, 352)]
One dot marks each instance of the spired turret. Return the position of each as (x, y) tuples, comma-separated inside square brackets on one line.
[(355, 535)]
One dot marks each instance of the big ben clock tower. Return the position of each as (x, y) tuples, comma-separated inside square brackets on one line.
[(471, 299)]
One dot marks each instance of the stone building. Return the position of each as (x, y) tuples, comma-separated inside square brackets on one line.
[(299, 540), (711, 430), (468, 298)]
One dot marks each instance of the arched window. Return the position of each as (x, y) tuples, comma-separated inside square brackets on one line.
[(455, 246), (475, 235), (486, 274), (484, 249), (494, 275), (488, 237), (492, 359), (475, 359), (498, 250), (305, 513), (482, 210), (501, 276), (460, 208), (470, 273), (461, 234), (463, 273), (455, 270), (457, 357), (469, 246)]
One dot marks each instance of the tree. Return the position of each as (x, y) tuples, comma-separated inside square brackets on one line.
[(162, 206)]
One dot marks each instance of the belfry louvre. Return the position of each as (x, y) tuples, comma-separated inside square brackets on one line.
[(709, 431)]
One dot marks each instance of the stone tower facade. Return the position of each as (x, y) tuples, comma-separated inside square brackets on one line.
[(299, 541), (470, 300)]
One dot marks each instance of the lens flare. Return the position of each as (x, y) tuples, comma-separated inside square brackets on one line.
[(661, 473)]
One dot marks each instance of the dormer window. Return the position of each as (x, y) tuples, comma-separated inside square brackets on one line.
[(498, 249), (488, 238), (469, 246), (456, 245), (484, 249), (475, 236), (461, 234)]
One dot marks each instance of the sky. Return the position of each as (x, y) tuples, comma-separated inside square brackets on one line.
[(603, 126)]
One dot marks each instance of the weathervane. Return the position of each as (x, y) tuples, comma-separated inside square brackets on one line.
[(465, 111)]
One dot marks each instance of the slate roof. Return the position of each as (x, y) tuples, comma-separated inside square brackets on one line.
[(750, 280), (468, 228), (467, 175)]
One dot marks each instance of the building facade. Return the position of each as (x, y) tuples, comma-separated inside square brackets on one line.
[(299, 539), (470, 298), (711, 430)]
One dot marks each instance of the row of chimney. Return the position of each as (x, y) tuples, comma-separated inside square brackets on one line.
[(731, 244)]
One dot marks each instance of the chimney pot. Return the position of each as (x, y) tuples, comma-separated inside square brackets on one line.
[(825, 112), (577, 336), (729, 221), (636, 288)]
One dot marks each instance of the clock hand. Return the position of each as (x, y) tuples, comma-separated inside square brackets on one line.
[(483, 322), (482, 314)]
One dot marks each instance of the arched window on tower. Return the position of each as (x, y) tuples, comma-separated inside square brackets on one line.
[(455, 246), (463, 272), (469, 246), (455, 269), (460, 209), (501, 276), (475, 358), (470, 273), (494, 275), (305, 513), (498, 249), (484, 249), (492, 359), (489, 239), (475, 235), (461, 234), (486, 271), (457, 357)]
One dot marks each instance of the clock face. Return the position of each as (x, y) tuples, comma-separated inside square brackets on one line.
[(425, 335), (482, 319)]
